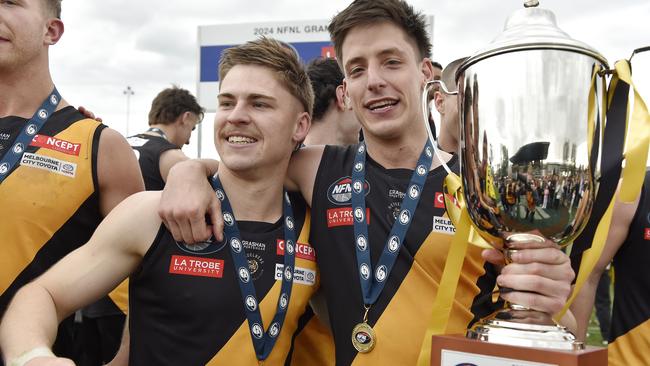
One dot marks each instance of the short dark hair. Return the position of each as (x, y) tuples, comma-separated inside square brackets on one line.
[(53, 7), (279, 58), (170, 103), (436, 64), (325, 75), (364, 12)]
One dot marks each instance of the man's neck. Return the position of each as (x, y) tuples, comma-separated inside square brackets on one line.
[(26, 88), (168, 130), (253, 198), (322, 132), (401, 153)]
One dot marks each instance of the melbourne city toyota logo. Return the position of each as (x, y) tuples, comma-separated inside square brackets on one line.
[(340, 192)]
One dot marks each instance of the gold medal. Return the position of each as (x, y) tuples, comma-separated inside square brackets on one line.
[(363, 338)]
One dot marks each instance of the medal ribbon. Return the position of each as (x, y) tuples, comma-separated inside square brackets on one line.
[(373, 283), (160, 132), (13, 155), (263, 342)]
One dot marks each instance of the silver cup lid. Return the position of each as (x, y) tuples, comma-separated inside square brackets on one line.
[(531, 28)]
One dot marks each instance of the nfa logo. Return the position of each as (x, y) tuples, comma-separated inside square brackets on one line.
[(220, 194), (284, 301), (362, 243), (289, 247), (646, 234), (235, 244), (380, 274), (358, 214), (251, 303), (42, 114), (244, 275), (256, 329), (393, 244), (365, 271), (288, 273), (289, 223), (414, 191), (340, 192), (31, 129), (18, 148), (404, 217), (274, 330), (4, 168), (228, 219)]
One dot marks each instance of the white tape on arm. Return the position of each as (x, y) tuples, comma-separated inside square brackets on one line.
[(31, 354)]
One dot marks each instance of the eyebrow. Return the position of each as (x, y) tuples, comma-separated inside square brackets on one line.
[(251, 96)]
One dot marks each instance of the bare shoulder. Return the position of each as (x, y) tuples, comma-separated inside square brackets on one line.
[(118, 172), (303, 169)]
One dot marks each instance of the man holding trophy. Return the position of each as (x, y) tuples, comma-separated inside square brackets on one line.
[(379, 273)]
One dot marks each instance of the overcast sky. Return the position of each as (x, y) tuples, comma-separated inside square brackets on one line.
[(150, 45)]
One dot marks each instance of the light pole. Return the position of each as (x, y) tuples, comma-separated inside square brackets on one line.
[(128, 92)]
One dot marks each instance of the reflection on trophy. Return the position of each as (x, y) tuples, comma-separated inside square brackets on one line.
[(531, 109)]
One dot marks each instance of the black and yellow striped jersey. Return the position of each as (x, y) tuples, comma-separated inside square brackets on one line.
[(630, 329), (185, 302), (402, 312)]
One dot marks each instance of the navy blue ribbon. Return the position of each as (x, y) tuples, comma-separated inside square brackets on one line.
[(262, 341), (372, 283), (12, 156)]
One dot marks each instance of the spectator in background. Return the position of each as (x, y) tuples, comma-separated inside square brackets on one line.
[(334, 122), (173, 116)]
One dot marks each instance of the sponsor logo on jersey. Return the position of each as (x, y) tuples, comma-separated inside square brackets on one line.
[(255, 265), (343, 217), (646, 234), (304, 251), (52, 143), (340, 192), (135, 141), (439, 201), (53, 165), (303, 276), (196, 266), (443, 225), (254, 245)]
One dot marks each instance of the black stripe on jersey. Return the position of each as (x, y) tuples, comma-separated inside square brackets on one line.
[(302, 323), (632, 285), (73, 233)]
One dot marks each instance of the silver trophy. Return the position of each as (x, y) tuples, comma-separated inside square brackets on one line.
[(531, 108)]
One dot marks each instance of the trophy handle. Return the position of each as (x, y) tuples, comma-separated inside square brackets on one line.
[(425, 116)]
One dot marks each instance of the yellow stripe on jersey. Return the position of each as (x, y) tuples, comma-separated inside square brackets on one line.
[(632, 348), (36, 203), (405, 319)]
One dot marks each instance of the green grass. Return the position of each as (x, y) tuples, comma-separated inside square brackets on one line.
[(593, 332)]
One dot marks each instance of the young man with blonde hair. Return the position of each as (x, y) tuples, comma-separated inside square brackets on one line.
[(236, 301)]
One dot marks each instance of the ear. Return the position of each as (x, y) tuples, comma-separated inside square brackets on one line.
[(302, 127), (341, 98), (439, 101), (427, 70), (346, 96), (185, 117), (53, 31)]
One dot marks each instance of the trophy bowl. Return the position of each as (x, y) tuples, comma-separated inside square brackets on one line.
[(530, 109)]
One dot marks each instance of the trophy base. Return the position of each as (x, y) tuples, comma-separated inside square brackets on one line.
[(518, 326)]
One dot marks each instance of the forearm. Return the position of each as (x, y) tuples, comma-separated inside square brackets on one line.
[(583, 305), (30, 321)]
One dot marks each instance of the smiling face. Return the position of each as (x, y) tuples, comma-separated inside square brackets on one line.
[(25, 32), (384, 77), (258, 122)]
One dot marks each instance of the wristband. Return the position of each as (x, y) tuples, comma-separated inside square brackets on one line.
[(31, 354)]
